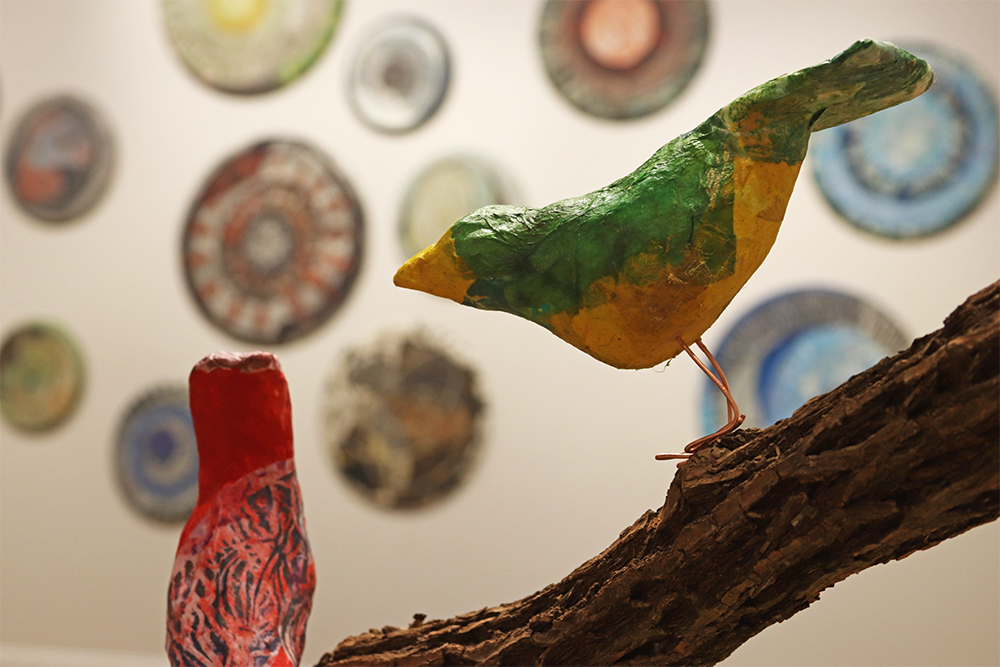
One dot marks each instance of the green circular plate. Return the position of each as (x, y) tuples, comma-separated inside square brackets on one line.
[(250, 46), (41, 377)]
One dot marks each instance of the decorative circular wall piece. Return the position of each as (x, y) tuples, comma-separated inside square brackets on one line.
[(796, 346), (918, 168), (41, 377), (250, 46), (59, 159), (156, 455), (403, 421), (400, 75), (273, 243), (622, 58), (444, 192)]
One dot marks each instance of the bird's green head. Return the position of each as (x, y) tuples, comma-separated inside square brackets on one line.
[(869, 76)]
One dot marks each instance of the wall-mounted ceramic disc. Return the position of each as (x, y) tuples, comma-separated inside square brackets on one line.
[(156, 455), (622, 58), (403, 421), (273, 243), (400, 75), (446, 191), (59, 159), (918, 168), (41, 377), (250, 46), (796, 346)]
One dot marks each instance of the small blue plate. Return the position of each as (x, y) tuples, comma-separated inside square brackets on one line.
[(794, 347), (157, 455)]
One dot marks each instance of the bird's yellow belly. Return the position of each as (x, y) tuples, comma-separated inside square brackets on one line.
[(629, 325)]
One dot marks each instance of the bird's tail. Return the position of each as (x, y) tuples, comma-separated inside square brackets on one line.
[(867, 77)]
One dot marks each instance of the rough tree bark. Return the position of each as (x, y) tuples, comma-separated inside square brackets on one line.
[(896, 459)]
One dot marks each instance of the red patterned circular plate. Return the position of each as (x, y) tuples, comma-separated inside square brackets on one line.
[(273, 243)]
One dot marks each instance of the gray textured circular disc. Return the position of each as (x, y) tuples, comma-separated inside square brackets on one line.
[(400, 75), (59, 159), (796, 346), (156, 455), (403, 421), (250, 46), (622, 58)]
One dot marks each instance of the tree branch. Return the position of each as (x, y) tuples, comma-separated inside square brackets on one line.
[(896, 459)]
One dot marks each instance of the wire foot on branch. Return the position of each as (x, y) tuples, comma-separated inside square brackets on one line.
[(733, 413)]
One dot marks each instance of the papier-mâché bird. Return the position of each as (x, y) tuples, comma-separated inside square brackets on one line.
[(243, 578), (636, 271)]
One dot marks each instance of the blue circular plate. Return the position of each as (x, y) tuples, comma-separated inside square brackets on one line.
[(794, 347), (918, 168), (157, 455)]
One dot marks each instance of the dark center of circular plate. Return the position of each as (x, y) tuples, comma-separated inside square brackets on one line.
[(620, 34), (400, 73), (162, 445)]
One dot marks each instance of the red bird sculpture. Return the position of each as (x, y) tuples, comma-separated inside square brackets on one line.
[(243, 578)]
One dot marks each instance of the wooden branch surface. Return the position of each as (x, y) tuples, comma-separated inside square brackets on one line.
[(897, 459)]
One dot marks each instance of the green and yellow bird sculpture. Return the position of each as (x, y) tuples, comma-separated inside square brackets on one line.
[(634, 273)]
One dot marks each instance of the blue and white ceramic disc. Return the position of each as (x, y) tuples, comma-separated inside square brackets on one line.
[(794, 347), (918, 168), (157, 455)]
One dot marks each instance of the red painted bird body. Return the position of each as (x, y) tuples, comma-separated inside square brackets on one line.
[(243, 578)]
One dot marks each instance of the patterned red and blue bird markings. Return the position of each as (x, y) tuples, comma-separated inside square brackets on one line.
[(242, 583)]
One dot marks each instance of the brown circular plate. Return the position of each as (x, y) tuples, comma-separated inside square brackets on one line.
[(622, 58)]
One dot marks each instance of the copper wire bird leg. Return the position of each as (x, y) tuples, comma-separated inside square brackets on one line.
[(732, 410)]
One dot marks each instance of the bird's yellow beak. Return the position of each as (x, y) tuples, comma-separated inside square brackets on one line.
[(437, 270)]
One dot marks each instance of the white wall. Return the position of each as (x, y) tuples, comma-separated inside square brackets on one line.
[(568, 461)]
